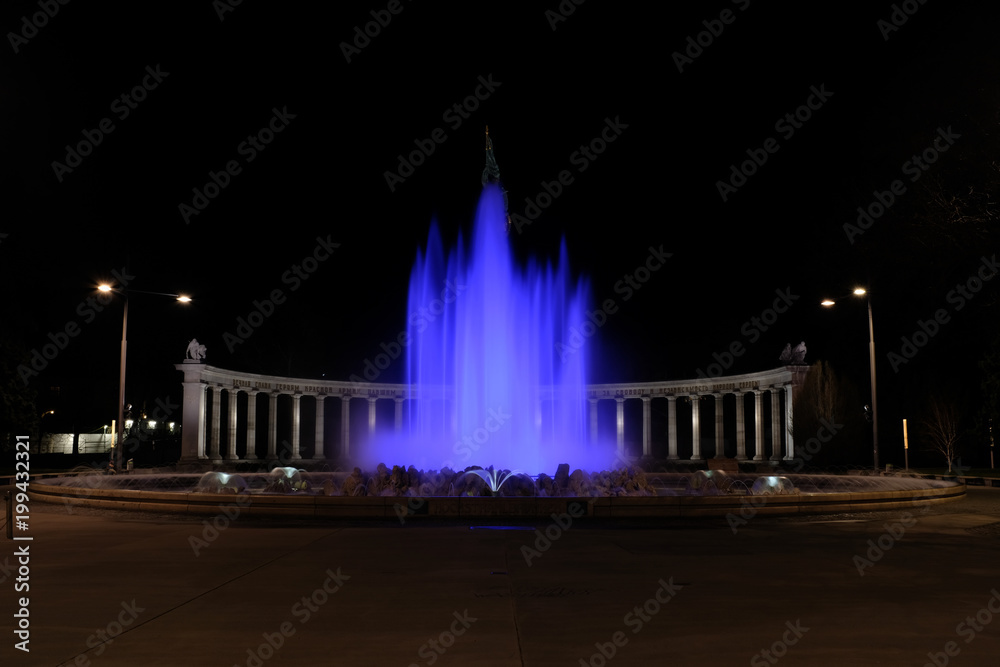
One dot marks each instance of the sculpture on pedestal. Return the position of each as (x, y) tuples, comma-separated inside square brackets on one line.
[(794, 356), (195, 350)]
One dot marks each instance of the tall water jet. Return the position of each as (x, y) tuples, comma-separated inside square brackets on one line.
[(492, 387)]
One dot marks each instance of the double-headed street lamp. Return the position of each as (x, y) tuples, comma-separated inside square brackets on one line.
[(859, 291), (121, 376)]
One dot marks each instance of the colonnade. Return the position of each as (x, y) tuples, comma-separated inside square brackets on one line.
[(211, 392)]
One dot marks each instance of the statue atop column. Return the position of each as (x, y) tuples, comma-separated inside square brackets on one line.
[(491, 174), (794, 356), (195, 352)]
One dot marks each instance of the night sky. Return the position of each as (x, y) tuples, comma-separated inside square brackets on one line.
[(338, 109)]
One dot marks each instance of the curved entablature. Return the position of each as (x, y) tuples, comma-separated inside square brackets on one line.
[(778, 377)]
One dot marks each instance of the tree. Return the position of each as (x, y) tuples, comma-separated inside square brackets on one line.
[(941, 427), (826, 400), (18, 414)]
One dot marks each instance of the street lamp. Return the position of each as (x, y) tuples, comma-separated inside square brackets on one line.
[(117, 454), (40, 418), (860, 291)]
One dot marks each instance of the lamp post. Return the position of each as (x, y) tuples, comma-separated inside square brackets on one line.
[(117, 446), (40, 418), (859, 291)]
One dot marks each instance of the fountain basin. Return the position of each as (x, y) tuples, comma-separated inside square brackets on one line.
[(816, 494)]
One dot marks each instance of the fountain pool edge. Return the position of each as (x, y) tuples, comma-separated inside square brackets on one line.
[(394, 507)]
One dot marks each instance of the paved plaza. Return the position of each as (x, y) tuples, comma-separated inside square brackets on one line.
[(901, 587)]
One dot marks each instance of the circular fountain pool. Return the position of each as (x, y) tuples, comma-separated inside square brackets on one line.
[(399, 492)]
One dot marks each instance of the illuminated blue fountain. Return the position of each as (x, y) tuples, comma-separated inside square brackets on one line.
[(486, 330)]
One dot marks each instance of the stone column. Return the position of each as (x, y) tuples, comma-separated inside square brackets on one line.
[(620, 438), (775, 425), (296, 419), (214, 443), (789, 441), (741, 430), (251, 454), (193, 423), (695, 429), (320, 404), (232, 396), (647, 428), (593, 418), (272, 426), (758, 425), (672, 428), (345, 426), (399, 414), (371, 415), (720, 445)]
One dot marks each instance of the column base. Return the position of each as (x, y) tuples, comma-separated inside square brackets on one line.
[(741, 457), (673, 457), (758, 458)]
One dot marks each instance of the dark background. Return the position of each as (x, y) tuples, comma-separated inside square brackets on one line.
[(324, 176)]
